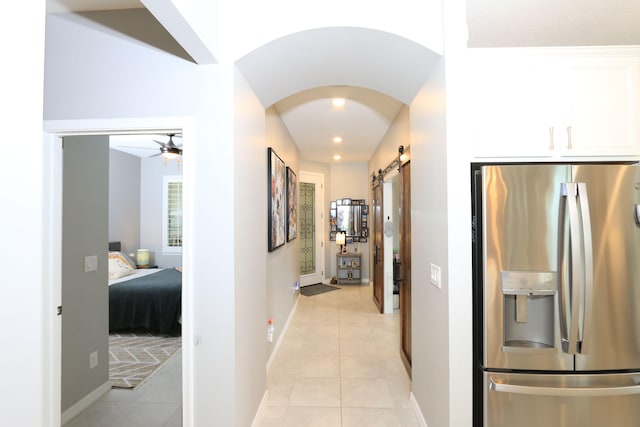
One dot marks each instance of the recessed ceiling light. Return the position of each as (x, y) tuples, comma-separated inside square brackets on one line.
[(337, 157), (337, 139), (338, 102)]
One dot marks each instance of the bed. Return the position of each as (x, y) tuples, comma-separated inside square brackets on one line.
[(147, 299)]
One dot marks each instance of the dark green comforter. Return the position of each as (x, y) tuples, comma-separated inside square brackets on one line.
[(151, 302)]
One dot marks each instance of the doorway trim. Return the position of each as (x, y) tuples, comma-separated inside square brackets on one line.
[(54, 130), (319, 233)]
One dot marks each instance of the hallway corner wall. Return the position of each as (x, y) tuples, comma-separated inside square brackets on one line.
[(283, 263), (429, 223)]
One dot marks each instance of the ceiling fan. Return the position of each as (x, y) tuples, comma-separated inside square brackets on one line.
[(168, 150)]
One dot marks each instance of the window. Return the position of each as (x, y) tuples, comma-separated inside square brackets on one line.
[(172, 214)]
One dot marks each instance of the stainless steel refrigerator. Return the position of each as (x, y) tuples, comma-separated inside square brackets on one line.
[(556, 295)]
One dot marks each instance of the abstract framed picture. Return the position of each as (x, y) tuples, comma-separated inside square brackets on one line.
[(292, 205), (277, 200)]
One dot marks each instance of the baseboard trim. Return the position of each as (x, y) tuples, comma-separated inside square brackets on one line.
[(276, 347), (416, 409), (84, 403), (265, 397), (261, 409)]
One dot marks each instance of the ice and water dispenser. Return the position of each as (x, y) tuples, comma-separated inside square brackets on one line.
[(529, 309)]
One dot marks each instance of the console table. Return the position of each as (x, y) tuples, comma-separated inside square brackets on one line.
[(349, 268)]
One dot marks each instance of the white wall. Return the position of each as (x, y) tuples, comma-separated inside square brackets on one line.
[(419, 21), (283, 264), (124, 200), (397, 135), (25, 369), (251, 277), (429, 244), (152, 172), (350, 180)]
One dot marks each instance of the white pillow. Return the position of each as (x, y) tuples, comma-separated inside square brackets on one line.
[(120, 265)]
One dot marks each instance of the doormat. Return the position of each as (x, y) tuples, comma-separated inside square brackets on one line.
[(134, 358), (317, 289)]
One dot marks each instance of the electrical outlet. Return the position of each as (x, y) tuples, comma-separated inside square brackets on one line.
[(93, 360), (436, 276)]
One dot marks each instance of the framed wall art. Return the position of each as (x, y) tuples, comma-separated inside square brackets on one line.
[(277, 200), (292, 204)]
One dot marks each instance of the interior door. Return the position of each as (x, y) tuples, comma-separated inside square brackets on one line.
[(378, 265), (405, 263), (311, 228)]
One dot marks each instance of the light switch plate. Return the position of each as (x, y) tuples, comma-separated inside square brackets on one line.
[(436, 276), (90, 263)]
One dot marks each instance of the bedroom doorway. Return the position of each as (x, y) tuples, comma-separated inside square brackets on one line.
[(55, 132)]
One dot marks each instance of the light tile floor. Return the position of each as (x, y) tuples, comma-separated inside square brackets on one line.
[(339, 365), (156, 403)]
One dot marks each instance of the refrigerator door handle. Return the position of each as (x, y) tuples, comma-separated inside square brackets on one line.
[(564, 300), (570, 291), (564, 391), (587, 294)]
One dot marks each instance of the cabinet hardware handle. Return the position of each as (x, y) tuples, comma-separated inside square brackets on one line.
[(569, 143), (551, 146)]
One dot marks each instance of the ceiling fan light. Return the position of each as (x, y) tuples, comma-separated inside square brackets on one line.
[(337, 139)]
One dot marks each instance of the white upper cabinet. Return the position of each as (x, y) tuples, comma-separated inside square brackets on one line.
[(600, 115), (555, 102)]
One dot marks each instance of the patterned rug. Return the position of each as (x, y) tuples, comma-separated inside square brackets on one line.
[(134, 357)]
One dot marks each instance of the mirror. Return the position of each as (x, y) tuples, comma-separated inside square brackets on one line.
[(351, 217)]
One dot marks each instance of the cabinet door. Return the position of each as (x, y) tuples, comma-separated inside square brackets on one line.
[(601, 113), (512, 103)]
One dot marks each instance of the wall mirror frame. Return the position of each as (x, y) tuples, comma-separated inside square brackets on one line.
[(350, 216)]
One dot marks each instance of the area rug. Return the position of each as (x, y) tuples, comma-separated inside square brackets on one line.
[(135, 357), (317, 289)]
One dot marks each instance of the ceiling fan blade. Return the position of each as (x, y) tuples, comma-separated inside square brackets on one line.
[(162, 144), (137, 148)]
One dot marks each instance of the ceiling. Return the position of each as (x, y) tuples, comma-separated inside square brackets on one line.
[(366, 117), (500, 23), (141, 145)]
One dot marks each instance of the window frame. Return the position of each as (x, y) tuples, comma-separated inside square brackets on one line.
[(166, 182)]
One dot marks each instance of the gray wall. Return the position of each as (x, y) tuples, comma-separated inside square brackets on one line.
[(124, 200), (84, 295)]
